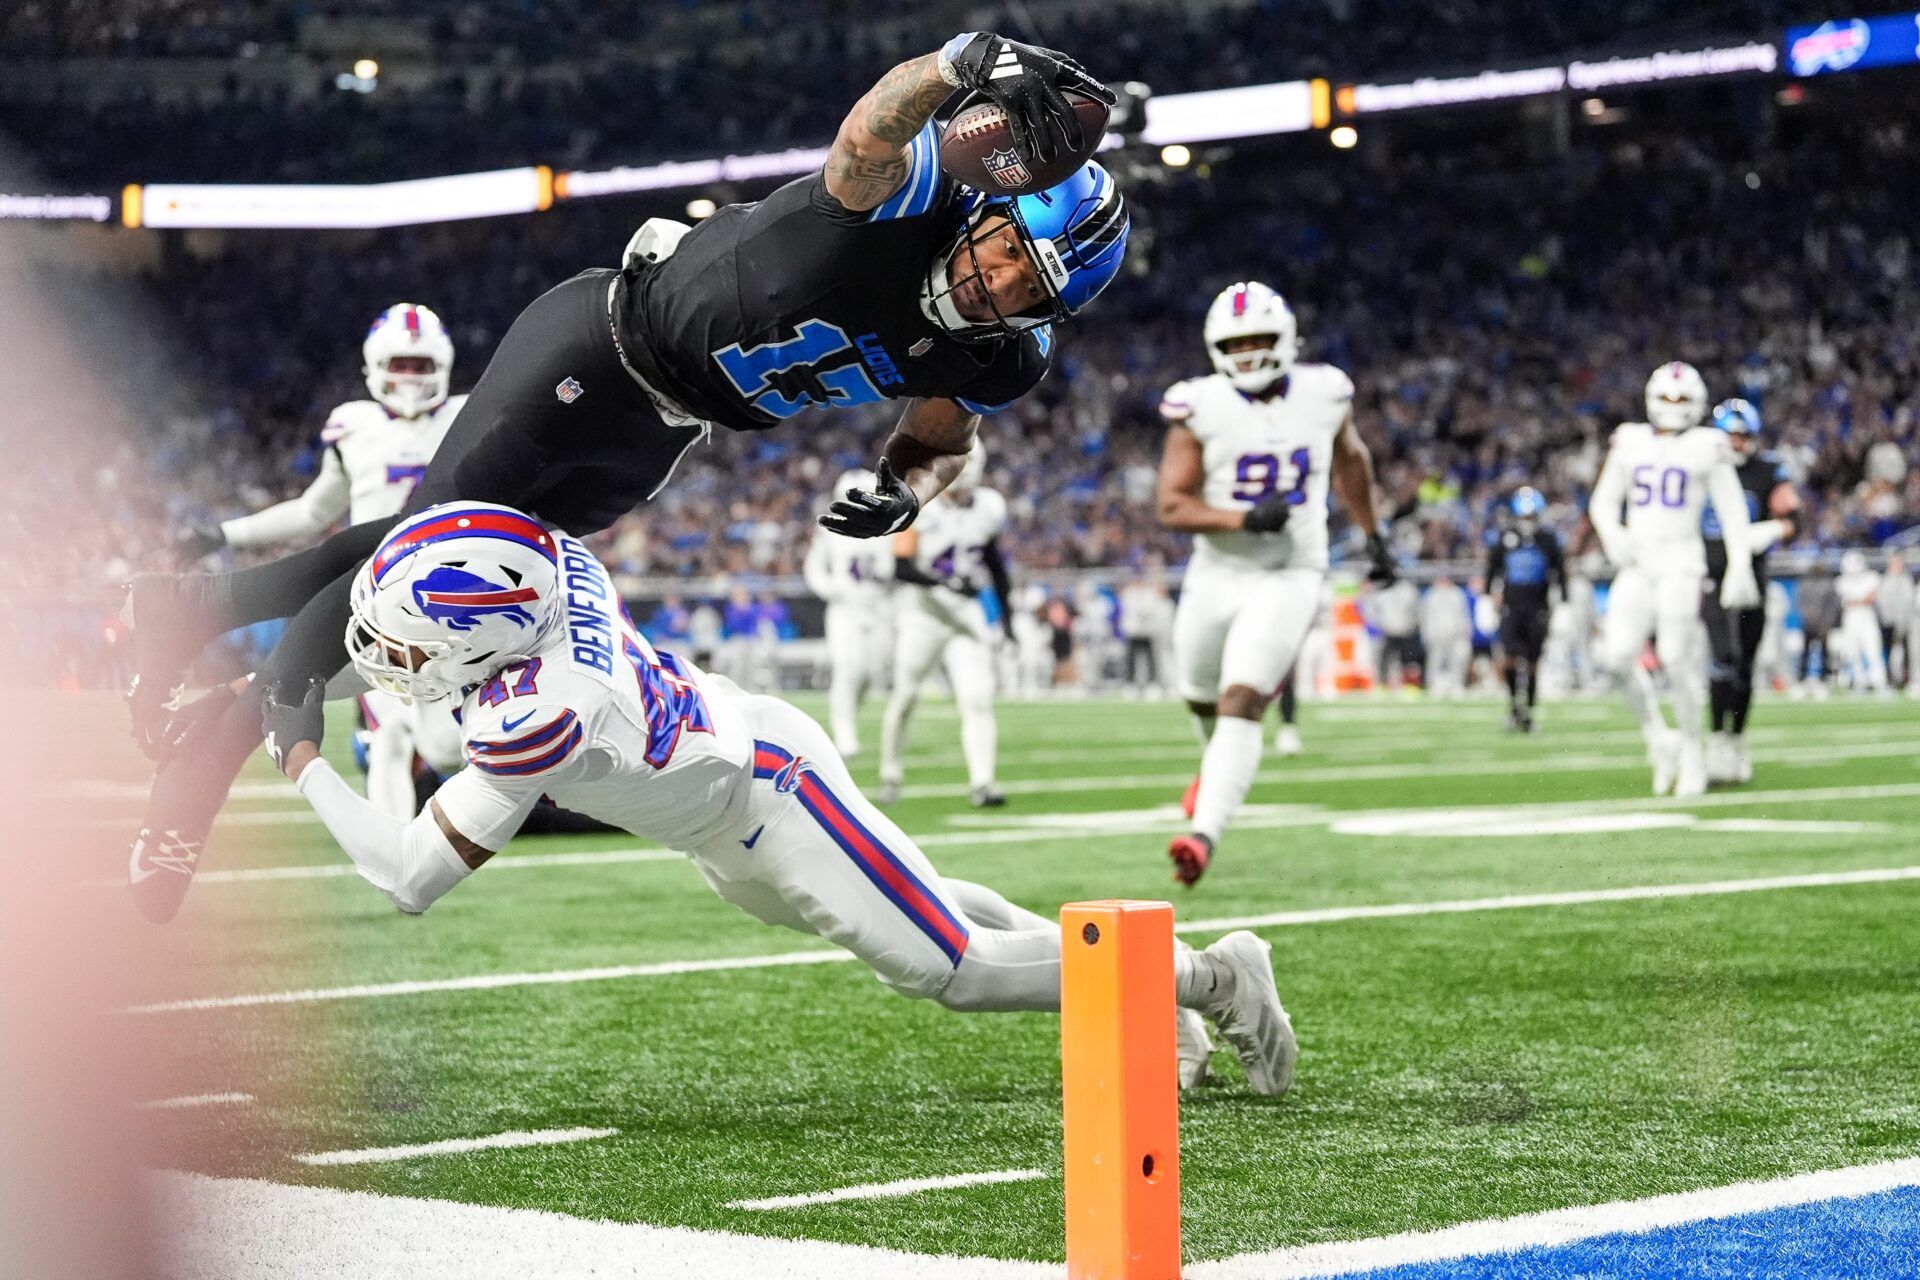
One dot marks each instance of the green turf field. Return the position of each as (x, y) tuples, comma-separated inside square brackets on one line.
[(1455, 1065)]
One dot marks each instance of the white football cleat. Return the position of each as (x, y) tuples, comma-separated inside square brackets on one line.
[(1194, 1046), (1720, 762), (1252, 1019), (1664, 752), (1742, 765), (1287, 741), (1691, 778)]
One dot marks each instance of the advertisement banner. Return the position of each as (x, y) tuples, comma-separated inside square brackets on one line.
[(1853, 44)]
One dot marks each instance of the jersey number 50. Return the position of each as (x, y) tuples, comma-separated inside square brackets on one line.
[(1670, 488), (1260, 475), (782, 378)]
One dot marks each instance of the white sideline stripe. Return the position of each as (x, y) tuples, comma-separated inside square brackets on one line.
[(194, 1100), (1560, 1226), (882, 1190), (456, 1146), (248, 1229), (1277, 919)]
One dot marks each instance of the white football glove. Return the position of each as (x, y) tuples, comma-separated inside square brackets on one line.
[(1739, 589)]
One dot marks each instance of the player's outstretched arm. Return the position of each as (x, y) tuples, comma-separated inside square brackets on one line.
[(926, 451), (870, 158)]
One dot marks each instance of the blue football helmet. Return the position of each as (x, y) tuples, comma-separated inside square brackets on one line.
[(1527, 504), (1737, 417), (1076, 234)]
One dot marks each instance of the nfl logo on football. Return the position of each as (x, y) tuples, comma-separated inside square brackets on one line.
[(1006, 169), (569, 391)]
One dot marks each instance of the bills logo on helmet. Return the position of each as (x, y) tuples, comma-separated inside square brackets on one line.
[(1005, 167), (460, 599)]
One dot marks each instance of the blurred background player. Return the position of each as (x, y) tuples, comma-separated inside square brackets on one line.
[(375, 452), (1446, 636), (1525, 567), (1663, 471), (1819, 606), (1734, 635), (851, 575), (1895, 604), (1394, 611), (939, 620), (1249, 454), (1146, 628), (1857, 587)]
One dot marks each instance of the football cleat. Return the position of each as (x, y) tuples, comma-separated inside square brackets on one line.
[(1664, 753), (888, 792), (1286, 742), (987, 796), (1194, 1047), (1690, 779), (1191, 800), (1190, 854), (1252, 1019), (1720, 764), (160, 870)]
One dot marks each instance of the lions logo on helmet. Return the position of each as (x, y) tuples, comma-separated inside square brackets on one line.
[(408, 360), (1259, 327), (451, 596), (1676, 397)]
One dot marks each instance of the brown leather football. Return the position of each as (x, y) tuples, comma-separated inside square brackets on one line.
[(976, 147)]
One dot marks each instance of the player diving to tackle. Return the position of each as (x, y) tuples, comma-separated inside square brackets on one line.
[(942, 563), (876, 277), (850, 575), (376, 450), (1734, 635), (559, 694), (1251, 450), (1663, 471)]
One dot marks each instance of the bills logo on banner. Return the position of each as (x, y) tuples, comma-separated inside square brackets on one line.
[(1831, 46), (1005, 167)]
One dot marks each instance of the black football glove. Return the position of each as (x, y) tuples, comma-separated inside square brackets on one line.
[(1269, 515), (889, 508), (1024, 81), (284, 724), (1381, 569), (197, 540), (162, 724)]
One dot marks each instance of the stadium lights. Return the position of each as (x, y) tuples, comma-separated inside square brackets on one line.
[(700, 207), (367, 69), (1344, 136), (370, 205), (1175, 156), (54, 208)]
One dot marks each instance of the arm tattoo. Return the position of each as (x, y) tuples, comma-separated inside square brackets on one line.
[(869, 159)]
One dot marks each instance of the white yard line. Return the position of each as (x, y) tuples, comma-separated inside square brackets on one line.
[(884, 1190), (456, 1146), (509, 862), (1276, 919), (1560, 1226), (195, 1100), (245, 1229)]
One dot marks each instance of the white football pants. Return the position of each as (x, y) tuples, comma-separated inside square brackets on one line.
[(1663, 607), (856, 646), (1860, 636), (953, 632), (396, 731), (1241, 626)]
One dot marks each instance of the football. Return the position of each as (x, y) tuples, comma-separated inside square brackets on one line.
[(976, 147)]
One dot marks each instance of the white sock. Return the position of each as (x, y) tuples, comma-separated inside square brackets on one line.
[(1006, 971), (1636, 686), (843, 701), (893, 737), (1200, 981), (979, 740), (1226, 773)]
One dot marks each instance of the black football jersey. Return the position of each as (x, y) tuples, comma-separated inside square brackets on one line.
[(1528, 565), (1758, 476), (796, 302)]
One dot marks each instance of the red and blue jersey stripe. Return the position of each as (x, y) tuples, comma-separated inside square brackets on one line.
[(869, 853), (549, 744), (439, 524)]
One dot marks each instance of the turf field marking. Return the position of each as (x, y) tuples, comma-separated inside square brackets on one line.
[(511, 862), (883, 1190), (194, 1100), (249, 1229), (1556, 820), (1277, 919), (456, 1146), (1560, 1226)]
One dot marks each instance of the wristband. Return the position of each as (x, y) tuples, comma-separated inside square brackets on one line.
[(951, 50)]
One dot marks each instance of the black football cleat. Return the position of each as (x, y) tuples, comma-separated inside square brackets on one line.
[(160, 870)]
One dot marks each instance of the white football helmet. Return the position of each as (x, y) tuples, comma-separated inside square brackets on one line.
[(974, 473), (1853, 562), (451, 596), (1676, 397), (1251, 310), (414, 335)]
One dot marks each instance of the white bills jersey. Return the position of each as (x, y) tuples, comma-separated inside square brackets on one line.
[(1857, 590), (1254, 448), (383, 457), (952, 539), (848, 571), (1666, 475), (606, 725)]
